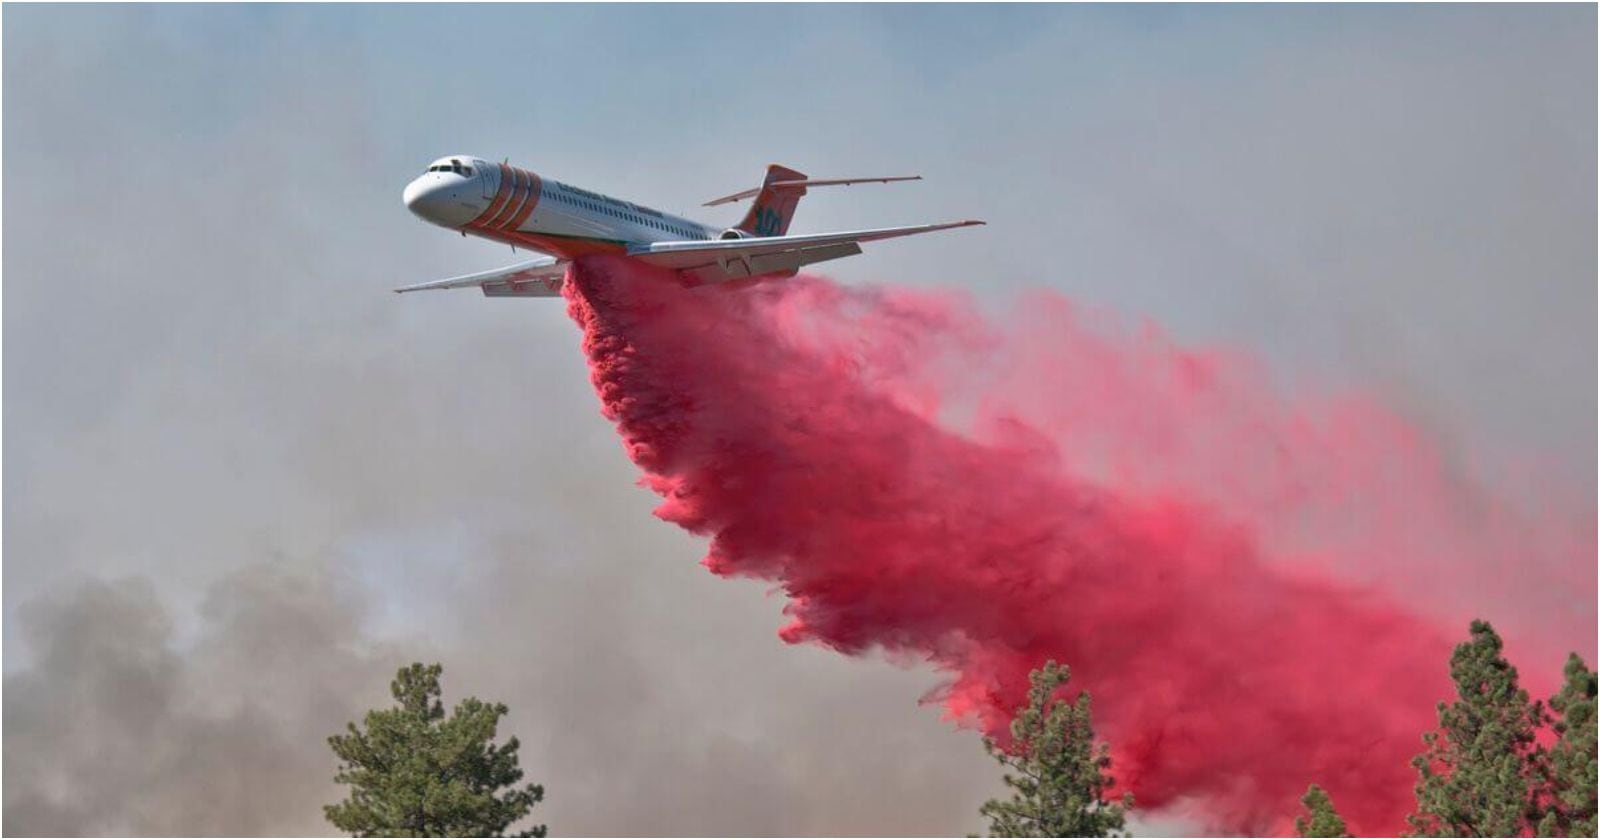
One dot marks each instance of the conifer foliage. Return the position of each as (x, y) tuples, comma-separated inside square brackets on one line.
[(413, 771), (1058, 774), (1321, 820)]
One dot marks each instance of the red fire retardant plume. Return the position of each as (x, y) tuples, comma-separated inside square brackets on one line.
[(1250, 587)]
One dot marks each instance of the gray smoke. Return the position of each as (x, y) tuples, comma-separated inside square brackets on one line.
[(115, 730), (117, 727)]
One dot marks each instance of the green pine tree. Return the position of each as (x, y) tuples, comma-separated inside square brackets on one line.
[(1321, 819), (1481, 771), (1570, 799), (413, 772), (1057, 772)]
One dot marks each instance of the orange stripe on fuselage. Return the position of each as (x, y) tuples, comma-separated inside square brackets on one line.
[(535, 187), (513, 203), (519, 193), (499, 200)]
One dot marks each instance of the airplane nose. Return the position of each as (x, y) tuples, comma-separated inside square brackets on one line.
[(443, 198)]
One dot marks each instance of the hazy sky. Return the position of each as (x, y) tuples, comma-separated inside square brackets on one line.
[(243, 482)]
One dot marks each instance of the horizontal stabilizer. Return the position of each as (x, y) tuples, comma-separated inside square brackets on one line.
[(808, 182)]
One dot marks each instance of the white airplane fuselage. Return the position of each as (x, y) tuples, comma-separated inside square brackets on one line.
[(512, 205), (505, 203)]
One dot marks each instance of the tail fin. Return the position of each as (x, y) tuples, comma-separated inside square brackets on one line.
[(774, 206)]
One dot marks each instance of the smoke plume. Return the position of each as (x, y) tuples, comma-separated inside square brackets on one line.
[(1259, 590), (115, 729)]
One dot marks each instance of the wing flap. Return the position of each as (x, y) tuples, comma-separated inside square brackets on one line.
[(781, 261), (547, 287), (535, 278), (731, 259)]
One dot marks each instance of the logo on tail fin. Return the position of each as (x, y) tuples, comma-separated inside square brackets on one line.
[(774, 205), (768, 222)]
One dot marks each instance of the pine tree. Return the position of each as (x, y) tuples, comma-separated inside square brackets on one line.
[(1321, 819), (414, 772), (1570, 798), (1481, 771), (1057, 771)]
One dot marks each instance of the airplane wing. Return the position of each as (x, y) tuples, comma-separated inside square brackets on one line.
[(731, 259), (535, 278)]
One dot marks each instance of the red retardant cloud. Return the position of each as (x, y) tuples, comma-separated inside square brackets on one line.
[(1256, 591)]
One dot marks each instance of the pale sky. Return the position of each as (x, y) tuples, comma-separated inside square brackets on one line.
[(243, 482)]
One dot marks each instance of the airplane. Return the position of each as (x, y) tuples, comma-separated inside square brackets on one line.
[(505, 203)]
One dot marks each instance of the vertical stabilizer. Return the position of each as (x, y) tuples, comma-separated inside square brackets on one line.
[(774, 207)]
